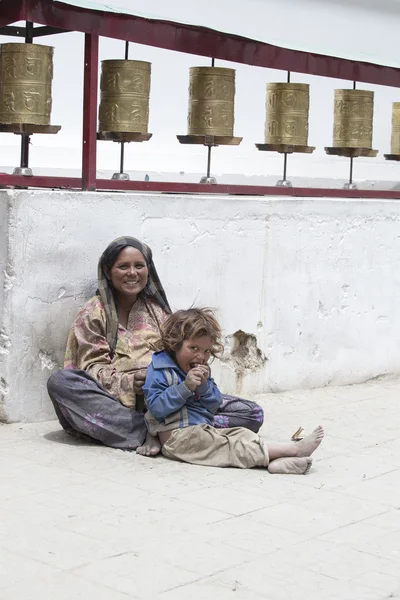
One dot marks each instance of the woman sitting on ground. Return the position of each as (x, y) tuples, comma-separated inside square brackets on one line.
[(99, 392)]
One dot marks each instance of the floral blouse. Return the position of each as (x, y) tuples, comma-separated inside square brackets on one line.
[(87, 347)]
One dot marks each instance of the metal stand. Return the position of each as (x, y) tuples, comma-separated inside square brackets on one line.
[(208, 178), (122, 138), (211, 141), (351, 153), (350, 185), (284, 182), (24, 169), (285, 149), (25, 130), (121, 176)]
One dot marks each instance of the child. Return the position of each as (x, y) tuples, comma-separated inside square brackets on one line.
[(182, 399)]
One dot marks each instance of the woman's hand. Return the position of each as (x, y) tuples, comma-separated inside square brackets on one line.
[(138, 381)]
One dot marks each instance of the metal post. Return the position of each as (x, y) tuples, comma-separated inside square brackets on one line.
[(350, 185), (26, 139), (284, 182), (90, 112), (284, 166), (121, 168), (208, 162), (209, 143), (121, 176)]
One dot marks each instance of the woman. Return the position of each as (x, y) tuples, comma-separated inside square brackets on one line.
[(99, 392)]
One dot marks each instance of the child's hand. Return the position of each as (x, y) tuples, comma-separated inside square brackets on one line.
[(205, 373), (193, 378)]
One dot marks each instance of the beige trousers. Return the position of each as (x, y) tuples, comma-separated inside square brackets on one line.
[(211, 447)]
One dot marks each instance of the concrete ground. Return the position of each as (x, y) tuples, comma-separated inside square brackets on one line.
[(79, 521)]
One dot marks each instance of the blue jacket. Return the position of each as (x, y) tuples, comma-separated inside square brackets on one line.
[(170, 403)]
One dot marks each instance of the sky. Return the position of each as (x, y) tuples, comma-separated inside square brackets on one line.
[(168, 117)]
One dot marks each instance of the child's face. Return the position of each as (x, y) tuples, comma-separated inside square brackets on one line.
[(195, 351)]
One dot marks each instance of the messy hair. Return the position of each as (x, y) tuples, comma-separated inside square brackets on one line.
[(185, 324)]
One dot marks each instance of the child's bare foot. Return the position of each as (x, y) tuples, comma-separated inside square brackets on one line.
[(310, 443), (290, 466), (151, 447)]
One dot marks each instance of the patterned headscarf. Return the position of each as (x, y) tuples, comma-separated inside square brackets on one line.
[(153, 289)]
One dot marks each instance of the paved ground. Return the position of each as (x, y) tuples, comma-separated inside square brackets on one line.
[(85, 522)]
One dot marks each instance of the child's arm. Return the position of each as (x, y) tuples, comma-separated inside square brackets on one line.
[(210, 396), (163, 399)]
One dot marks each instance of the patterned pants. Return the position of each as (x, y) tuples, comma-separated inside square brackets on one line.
[(83, 405)]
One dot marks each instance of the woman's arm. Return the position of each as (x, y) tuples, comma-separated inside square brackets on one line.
[(87, 349)]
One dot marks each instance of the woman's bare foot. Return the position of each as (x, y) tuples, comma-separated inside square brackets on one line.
[(151, 446), (290, 466), (310, 443)]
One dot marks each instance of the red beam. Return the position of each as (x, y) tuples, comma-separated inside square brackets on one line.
[(205, 42), (11, 11), (90, 83), (241, 190), (193, 188), (40, 181)]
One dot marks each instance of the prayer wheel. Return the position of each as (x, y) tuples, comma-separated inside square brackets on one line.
[(353, 117), (287, 108), (395, 140), (211, 101), (26, 74), (124, 96)]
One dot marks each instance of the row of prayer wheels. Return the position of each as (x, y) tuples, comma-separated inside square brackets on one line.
[(26, 73)]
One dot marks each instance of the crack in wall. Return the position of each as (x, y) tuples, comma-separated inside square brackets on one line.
[(243, 355)]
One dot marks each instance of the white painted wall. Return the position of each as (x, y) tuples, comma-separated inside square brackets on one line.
[(316, 280)]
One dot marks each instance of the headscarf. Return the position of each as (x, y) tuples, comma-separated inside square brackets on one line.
[(153, 290)]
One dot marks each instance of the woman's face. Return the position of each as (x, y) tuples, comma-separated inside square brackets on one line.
[(129, 273)]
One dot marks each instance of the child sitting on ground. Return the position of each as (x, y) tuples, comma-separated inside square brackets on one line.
[(182, 398)]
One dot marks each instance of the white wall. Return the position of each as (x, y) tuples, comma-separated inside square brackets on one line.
[(315, 280)]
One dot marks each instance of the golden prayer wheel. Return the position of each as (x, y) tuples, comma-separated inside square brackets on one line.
[(287, 107), (124, 96), (211, 101), (395, 140), (26, 73), (353, 117)]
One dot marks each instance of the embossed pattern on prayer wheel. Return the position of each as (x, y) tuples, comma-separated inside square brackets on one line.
[(211, 101), (26, 74), (287, 107), (124, 96), (395, 141), (352, 118)]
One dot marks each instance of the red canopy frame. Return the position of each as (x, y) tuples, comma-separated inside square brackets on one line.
[(56, 17)]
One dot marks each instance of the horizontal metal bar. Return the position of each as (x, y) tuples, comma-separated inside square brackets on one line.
[(194, 188), (40, 181), (11, 30), (242, 190), (47, 30)]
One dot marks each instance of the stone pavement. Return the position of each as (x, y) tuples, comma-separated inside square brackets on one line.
[(80, 521)]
